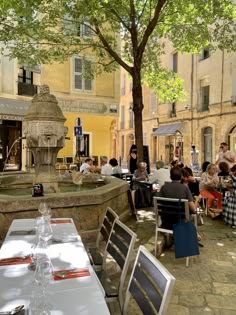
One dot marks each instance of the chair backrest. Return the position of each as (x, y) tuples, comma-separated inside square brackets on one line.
[(171, 209), (106, 226), (120, 246), (150, 284)]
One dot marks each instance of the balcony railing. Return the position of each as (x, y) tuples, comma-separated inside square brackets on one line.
[(27, 89)]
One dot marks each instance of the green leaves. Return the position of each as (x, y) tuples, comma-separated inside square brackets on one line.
[(38, 31)]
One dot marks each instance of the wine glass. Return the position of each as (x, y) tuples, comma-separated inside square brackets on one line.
[(45, 232), (45, 210), (43, 272), (43, 276)]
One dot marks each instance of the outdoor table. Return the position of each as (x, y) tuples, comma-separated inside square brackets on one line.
[(82, 295)]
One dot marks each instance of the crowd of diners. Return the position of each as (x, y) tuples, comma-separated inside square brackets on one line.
[(214, 184)]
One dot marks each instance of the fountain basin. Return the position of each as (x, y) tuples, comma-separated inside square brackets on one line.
[(86, 207)]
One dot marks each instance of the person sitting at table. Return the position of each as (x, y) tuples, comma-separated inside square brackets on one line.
[(87, 166), (143, 190), (175, 189), (106, 168), (224, 169), (160, 175), (116, 169), (208, 189), (192, 183), (229, 202)]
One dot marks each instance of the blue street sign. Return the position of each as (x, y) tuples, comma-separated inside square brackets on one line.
[(78, 131)]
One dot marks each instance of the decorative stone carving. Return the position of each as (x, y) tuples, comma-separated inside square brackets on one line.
[(45, 136)]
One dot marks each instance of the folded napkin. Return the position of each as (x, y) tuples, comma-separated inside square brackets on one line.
[(15, 260), (23, 232), (55, 221), (71, 273)]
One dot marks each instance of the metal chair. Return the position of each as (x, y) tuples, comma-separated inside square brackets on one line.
[(119, 247), (95, 253), (150, 285), (167, 210)]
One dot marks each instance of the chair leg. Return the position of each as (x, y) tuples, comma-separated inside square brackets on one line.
[(187, 261), (156, 237)]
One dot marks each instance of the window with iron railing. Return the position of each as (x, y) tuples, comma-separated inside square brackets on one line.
[(25, 83)]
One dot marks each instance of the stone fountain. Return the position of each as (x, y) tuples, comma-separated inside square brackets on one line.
[(45, 135), (44, 130)]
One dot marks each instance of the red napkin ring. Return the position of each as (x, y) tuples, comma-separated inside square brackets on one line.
[(55, 221), (15, 261), (69, 274)]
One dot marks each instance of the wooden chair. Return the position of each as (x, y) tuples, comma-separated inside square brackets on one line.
[(167, 210), (119, 247), (95, 253), (150, 285)]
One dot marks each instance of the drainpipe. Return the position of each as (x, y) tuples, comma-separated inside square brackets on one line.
[(222, 81), (191, 101)]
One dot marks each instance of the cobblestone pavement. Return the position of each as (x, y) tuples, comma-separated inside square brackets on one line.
[(208, 285)]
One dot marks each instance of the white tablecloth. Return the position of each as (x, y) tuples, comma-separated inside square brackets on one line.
[(84, 295)]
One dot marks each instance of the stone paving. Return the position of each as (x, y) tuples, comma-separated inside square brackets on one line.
[(208, 285)]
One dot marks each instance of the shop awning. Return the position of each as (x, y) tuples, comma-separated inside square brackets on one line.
[(167, 130), (10, 108)]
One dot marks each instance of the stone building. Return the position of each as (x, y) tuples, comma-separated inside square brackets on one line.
[(206, 117)]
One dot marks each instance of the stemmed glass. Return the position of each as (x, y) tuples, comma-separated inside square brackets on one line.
[(45, 231), (44, 209), (43, 275)]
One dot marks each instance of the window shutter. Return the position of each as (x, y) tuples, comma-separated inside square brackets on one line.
[(78, 74)]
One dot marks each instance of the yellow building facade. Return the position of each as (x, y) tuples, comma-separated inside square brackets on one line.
[(92, 104)]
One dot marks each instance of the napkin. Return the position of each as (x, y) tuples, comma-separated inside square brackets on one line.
[(71, 273), (55, 221), (15, 260), (23, 232)]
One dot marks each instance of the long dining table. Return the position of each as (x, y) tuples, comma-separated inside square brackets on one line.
[(80, 295)]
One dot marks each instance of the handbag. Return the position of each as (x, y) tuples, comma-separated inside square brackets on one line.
[(185, 238)]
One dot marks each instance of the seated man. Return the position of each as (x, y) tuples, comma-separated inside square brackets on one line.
[(160, 175), (105, 167), (87, 166), (177, 190)]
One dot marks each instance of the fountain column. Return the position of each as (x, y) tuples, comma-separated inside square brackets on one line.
[(45, 135)]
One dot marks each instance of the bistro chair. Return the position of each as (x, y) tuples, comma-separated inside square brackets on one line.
[(150, 285), (172, 209), (118, 251), (95, 253)]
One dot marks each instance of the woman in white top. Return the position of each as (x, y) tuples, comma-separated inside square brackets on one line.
[(208, 184)]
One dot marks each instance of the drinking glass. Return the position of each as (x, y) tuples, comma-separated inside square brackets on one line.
[(45, 210), (39, 304), (45, 231)]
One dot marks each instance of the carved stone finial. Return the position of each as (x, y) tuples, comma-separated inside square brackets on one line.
[(44, 89)]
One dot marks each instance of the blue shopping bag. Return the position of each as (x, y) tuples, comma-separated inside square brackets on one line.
[(185, 239)]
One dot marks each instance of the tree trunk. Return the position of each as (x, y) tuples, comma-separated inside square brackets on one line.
[(138, 116)]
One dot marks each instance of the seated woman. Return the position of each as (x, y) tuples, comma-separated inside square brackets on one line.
[(116, 169), (208, 184), (143, 190), (229, 203)]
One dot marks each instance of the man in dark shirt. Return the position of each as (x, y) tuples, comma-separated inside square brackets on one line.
[(176, 190)]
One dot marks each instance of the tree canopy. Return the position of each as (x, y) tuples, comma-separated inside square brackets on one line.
[(126, 33)]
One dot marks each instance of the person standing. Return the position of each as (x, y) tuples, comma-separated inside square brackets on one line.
[(132, 159), (194, 158), (225, 155)]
